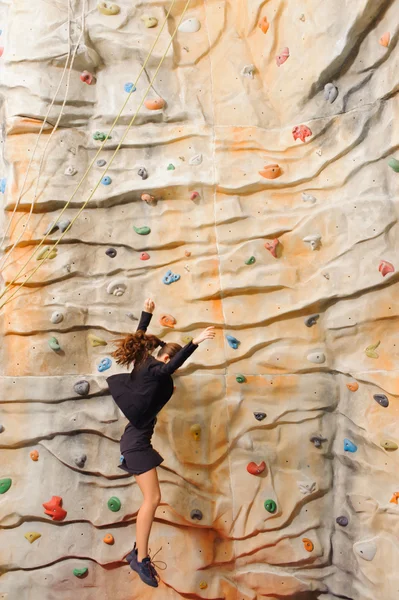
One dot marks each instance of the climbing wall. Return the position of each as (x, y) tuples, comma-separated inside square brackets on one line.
[(237, 161)]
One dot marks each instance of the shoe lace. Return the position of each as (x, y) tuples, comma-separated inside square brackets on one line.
[(151, 564)]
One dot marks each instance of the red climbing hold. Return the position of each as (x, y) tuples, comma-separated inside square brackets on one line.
[(386, 267), (144, 256), (255, 469), (87, 77), (301, 132), (53, 508), (272, 247), (194, 196)]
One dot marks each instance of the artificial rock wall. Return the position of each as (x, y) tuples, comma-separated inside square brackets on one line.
[(273, 194)]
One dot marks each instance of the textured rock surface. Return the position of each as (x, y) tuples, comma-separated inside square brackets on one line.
[(229, 113)]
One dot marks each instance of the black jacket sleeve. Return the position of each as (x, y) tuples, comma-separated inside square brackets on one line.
[(157, 370), (144, 321)]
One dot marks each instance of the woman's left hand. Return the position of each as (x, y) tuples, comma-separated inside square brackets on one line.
[(149, 305)]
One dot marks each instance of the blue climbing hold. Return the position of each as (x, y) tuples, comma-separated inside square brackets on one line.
[(104, 364), (130, 87), (3, 182), (233, 342), (349, 446), (106, 180), (170, 277)]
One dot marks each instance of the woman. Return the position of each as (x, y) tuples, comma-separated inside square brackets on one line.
[(140, 395)]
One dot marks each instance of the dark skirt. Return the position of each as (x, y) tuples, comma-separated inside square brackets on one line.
[(138, 454)]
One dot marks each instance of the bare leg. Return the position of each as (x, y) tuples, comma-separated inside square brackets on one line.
[(149, 485)]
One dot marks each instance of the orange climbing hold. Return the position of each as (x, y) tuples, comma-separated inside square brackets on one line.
[(272, 247), (308, 545), (385, 39), (154, 103), (264, 24), (187, 253), (395, 498), (353, 387), (34, 454), (271, 171), (53, 508), (108, 539), (148, 198), (167, 321)]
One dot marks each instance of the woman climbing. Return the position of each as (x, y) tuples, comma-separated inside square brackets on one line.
[(140, 395)]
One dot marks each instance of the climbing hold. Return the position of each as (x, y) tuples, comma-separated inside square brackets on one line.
[(270, 506), (149, 22), (170, 277), (100, 136), (129, 87), (190, 26), (116, 288), (32, 536), (114, 504), (313, 240), (317, 440), (167, 321), (255, 469), (382, 400), (349, 446), (250, 261), (366, 550), (248, 71), (306, 488), (142, 230), (104, 365), (395, 498), (186, 339), (82, 387), (52, 228), (195, 160), (196, 514), (53, 508), (264, 24), (385, 39), (232, 341), (95, 340), (259, 416), (88, 78), (80, 572), (1, 428), (353, 387), (63, 225), (316, 357), (154, 103), (54, 344), (187, 253), (195, 431), (56, 317), (47, 252), (5, 485), (194, 195), (71, 171), (144, 256), (3, 183), (308, 544), (240, 379), (319, 152), (108, 539), (101, 162), (108, 8), (106, 180), (148, 198), (330, 92), (203, 585), (370, 350), (311, 320), (394, 164), (301, 132), (170, 167), (34, 454), (111, 252), (271, 171), (272, 247), (343, 521), (308, 198), (389, 445), (282, 57), (386, 267), (143, 173), (80, 461)]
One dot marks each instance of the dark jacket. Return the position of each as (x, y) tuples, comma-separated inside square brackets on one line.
[(142, 393)]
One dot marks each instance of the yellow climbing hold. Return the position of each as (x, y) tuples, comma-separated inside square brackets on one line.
[(196, 431), (96, 341), (370, 350), (203, 585), (32, 536), (108, 8), (149, 21), (389, 445), (47, 253), (186, 339)]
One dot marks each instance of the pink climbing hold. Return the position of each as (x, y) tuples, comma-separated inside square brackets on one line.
[(1, 50), (385, 39), (53, 508), (301, 132), (87, 77), (272, 247), (194, 196), (144, 256), (187, 253), (386, 267), (282, 57)]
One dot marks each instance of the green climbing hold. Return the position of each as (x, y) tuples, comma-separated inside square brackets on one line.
[(54, 345), (5, 485), (80, 572), (171, 167), (240, 379), (270, 506), (394, 164), (142, 230), (250, 260), (100, 136), (114, 504)]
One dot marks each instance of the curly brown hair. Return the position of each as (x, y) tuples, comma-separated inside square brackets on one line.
[(137, 347)]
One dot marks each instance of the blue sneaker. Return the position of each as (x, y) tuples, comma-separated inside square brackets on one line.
[(132, 554), (146, 570)]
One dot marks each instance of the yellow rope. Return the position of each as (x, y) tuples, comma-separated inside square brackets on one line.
[(108, 165)]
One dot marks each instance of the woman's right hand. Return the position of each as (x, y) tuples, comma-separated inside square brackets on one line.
[(207, 334)]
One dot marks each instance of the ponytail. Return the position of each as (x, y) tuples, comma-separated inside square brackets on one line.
[(135, 347)]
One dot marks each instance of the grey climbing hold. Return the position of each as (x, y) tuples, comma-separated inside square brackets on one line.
[(52, 228), (317, 440), (196, 514), (80, 460), (313, 239), (316, 357), (381, 399), (63, 225), (56, 317), (343, 521), (143, 173), (308, 198), (71, 171), (116, 288), (259, 416), (101, 162), (366, 550), (131, 316), (311, 320), (248, 71), (330, 92), (306, 488), (82, 387), (111, 252)]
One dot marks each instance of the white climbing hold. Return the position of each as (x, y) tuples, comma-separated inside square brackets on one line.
[(307, 488), (190, 26), (187, 268), (245, 442), (316, 357), (248, 71), (313, 240), (366, 550), (56, 317), (117, 288), (195, 160), (308, 198), (319, 152)]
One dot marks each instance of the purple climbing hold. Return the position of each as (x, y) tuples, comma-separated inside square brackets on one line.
[(343, 521), (196, 514), (382, 400), (311, 320), (259, 416), (101, 162), (317, 440), (111, 252)]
